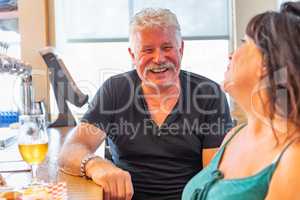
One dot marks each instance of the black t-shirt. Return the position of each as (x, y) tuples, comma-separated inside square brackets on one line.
[(160, 159)]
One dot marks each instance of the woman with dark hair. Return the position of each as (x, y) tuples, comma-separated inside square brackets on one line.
[(260, 160)]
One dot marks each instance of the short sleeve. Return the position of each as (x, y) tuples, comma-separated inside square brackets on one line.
[(100, 111), (220, 123)]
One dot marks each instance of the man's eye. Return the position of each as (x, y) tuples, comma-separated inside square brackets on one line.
[(167, 48), (148, 50)]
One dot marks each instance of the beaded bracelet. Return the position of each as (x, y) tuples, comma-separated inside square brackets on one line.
[(83, 163)]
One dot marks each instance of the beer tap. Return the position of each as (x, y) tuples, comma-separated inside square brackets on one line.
[(23, 70)]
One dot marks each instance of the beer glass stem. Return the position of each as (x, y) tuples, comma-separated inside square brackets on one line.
[(34, 172)]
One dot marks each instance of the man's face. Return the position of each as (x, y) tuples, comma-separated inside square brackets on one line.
[(157, 55)]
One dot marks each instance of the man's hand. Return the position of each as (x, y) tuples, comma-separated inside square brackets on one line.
[(115, 182)]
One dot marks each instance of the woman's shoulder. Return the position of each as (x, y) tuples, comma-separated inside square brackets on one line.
[(292, 154), (232, 133), (285, 181)]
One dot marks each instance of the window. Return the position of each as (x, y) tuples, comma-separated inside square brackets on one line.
[(199, 19), (92, 37), (282, 1), (100, 21), (9, 45), (94, 19)]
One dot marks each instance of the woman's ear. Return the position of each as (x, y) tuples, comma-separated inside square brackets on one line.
[(263, 69), (262, 72)]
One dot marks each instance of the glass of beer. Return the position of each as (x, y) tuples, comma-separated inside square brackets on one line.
[(33, 141)]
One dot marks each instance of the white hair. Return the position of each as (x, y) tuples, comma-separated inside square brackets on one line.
[(151, 17)]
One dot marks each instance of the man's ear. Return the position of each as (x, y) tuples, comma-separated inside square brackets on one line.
[(131, 53), (181, 48)]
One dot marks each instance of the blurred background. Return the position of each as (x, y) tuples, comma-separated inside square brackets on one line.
[(91, 37)]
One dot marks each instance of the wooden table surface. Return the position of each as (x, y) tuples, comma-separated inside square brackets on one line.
[(78, 188)]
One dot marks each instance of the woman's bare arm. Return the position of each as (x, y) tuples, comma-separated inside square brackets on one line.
[(285, 182)]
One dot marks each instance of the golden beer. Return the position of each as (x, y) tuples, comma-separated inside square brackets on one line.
[(33, 153)]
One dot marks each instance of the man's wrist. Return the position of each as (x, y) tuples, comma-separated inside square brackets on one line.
[(84, 161), (98, 164)]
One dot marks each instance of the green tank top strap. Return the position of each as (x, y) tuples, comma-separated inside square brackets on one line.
[(278, 158), (215, 161), (234, 134)]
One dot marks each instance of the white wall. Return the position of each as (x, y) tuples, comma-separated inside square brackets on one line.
[(243, 11)]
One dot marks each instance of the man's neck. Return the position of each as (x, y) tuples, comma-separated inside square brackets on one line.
[(161, 100), (160, 92)]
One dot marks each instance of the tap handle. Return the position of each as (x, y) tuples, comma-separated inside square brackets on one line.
[(13, 66)]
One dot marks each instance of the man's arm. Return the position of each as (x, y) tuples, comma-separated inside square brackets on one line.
[(86, 139), (220, 123), (207, 155)]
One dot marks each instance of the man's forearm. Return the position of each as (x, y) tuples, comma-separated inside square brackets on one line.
[(85, 140), (70, 158)]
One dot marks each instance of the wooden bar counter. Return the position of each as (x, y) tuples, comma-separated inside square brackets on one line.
[(78, 188)]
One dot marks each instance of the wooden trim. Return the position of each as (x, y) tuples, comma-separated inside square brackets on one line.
[(34, 36)]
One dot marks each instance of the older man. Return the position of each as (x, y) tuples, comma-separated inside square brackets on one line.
[(162, 123)]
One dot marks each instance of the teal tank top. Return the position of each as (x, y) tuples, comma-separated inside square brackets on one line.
[(210, 185)]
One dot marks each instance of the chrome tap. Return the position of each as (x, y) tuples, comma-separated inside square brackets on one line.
[(24, 71)]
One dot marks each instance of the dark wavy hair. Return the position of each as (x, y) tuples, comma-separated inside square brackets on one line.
[(277, 35)]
